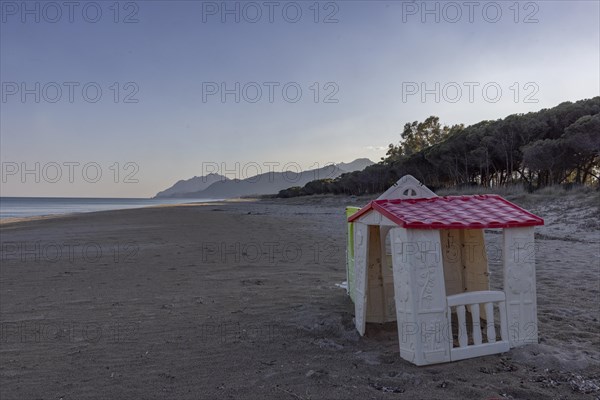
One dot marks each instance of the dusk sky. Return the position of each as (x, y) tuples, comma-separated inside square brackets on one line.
[(361, 69)]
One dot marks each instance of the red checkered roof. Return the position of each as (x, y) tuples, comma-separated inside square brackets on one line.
[(452, 212)]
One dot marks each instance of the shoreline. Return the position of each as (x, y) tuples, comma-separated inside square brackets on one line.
[(44, 217)]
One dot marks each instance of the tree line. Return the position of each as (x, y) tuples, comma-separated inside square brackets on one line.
[(559, 145)]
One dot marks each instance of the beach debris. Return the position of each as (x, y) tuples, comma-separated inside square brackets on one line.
[(328, 344), (167, 376), (578, 383), (257, 282), (288, 392), (369, 357), (390, 264), (198, 300), (506, 366), (316, 374), (582, 385), (386, 389)]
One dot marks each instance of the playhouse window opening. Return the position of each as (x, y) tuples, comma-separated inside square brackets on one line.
[(410, 192), (493, 247)]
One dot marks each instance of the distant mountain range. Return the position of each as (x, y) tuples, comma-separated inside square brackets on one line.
[(215, 186), (195, 184)]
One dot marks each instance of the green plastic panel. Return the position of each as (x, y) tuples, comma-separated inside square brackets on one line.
[(350, 252)]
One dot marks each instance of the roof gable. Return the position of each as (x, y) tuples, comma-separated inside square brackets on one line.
[(452, 212), (407, 187)]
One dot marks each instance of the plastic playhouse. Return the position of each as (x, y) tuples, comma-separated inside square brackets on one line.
[(420, 260)]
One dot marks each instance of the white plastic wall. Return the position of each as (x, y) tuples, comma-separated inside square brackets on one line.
[(387, 272), (361, 238), (519, 285), (420, 296)]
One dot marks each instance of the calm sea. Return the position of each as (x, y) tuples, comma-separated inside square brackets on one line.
[(19, 207)]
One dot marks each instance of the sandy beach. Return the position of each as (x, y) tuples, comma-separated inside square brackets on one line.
[(239, 300)]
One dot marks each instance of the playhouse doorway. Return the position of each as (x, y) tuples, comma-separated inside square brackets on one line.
[(381, 307)]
